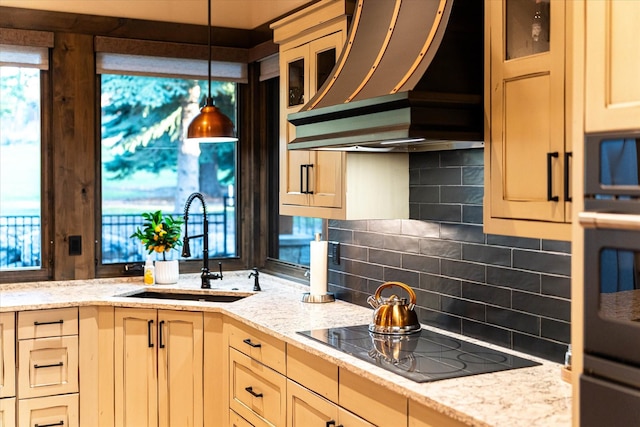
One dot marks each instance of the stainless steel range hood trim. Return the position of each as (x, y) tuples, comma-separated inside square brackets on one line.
[(406, 121)]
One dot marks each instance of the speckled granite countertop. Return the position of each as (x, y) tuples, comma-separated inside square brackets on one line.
[(534, 396)]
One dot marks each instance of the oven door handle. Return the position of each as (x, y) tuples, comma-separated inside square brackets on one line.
[(609, 220)]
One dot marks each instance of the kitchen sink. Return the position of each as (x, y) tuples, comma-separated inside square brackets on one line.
[(186, 296)]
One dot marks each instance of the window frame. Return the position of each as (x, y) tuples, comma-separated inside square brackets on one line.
[(40, 39), (129, 49)]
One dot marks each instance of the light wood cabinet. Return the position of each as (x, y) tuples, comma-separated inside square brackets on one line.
[(328, 184), (612, 98), (158, 367), (421, 416), (8, 412), (527, 158), (7, 355), (7, 369), (47, 389)]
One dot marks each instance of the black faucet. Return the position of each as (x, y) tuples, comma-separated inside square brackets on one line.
[(206, 275), (256, 283)]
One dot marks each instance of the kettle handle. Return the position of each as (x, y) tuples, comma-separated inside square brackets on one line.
[(412, 294)]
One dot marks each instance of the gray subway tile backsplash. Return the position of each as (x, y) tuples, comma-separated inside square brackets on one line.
[(510, 291)]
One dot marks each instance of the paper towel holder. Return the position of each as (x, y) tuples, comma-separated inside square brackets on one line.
[(328, 297)]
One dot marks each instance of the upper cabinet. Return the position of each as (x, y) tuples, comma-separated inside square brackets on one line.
[(612, 65), (527, 154), (328, 184)]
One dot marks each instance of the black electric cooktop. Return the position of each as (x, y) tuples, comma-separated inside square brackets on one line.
[(423, 356)]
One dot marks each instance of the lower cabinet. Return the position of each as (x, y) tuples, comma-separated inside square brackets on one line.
[(421, 416), (48, 369), (8, 412), (158, 367)]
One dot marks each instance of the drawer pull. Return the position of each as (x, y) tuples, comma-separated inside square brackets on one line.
[(52, 365), (252, 344), (59, 423), (333, 423), (55, 322), (253, 393)]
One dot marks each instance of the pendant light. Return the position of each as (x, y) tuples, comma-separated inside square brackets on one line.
[(211, 125)]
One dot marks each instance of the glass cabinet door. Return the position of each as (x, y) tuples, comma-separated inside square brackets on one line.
[(296, 82), (527, 27)]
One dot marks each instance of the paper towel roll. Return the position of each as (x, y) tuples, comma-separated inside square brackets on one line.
[(318, 255)]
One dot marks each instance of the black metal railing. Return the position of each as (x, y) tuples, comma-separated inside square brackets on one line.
[(20, 242)]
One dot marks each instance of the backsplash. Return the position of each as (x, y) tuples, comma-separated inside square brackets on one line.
[(513, 292)]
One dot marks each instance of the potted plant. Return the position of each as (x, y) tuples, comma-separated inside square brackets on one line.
[(160, 234)]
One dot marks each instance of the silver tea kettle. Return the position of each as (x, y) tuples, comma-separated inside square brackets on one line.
[(393, 315)]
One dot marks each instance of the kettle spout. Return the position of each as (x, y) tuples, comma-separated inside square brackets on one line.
[(373, 302)]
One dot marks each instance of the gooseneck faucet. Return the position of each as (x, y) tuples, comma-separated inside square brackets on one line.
[(206, 275)]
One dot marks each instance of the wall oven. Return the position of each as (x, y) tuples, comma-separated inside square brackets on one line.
[(610, 384)]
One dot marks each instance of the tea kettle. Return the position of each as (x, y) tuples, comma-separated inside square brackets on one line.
[(393, 315)]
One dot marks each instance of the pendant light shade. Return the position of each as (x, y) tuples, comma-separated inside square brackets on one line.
[(211, 125)]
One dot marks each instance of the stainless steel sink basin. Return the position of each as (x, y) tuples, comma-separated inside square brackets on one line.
[(186, 296)]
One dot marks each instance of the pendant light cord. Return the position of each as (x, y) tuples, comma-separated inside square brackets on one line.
[(209, 45)]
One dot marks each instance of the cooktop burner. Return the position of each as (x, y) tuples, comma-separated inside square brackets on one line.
[(424, 356)]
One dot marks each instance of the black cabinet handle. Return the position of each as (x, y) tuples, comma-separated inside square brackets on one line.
[(52, 365), (567, 157), (252, 344), (149, 326), (308, 191), (160, 340), (55, 322), (550, 196), (59, 423), (330, 423), (302, 168), (253, 393)]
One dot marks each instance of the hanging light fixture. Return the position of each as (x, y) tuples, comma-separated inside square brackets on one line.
[(211, 125)]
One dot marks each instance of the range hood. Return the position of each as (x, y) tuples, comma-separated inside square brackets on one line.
[(410, 78)]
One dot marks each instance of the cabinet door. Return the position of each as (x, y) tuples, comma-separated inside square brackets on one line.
[(305, 408), (294, 92), (612, 65), (526, 93), (136, 396), (180, 368), (308, 178), (347, 419), (7, 355), (8, 412)]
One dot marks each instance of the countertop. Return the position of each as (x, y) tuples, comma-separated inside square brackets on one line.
[(534, 396)]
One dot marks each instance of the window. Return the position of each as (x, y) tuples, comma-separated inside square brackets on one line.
[(22, 177), (20, 148), (148, 165)]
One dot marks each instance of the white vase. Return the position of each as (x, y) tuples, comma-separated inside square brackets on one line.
[(167, 272)]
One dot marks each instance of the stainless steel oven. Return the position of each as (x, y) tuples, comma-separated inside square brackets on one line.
[(610, 384)]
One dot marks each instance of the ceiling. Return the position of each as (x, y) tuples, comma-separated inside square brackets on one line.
[(246, 14)]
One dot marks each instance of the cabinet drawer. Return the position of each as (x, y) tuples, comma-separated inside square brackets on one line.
[(313, 372), (7, 355), (257, 393), (259, 346), (236, 420), (371, 401), (48, 366), (47, 323), (49, 411)]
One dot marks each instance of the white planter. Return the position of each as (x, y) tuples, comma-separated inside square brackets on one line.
[(167, 272)]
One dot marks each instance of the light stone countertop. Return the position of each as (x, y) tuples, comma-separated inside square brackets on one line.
[(534, 396)]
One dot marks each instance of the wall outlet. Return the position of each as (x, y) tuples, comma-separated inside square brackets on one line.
[(75, 245), (335, 252)]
